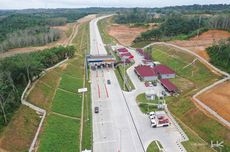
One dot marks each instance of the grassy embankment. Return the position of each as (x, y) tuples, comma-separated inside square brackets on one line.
[(19, 133), (153, 147), (103, 26), (58, 90), (190, 80)]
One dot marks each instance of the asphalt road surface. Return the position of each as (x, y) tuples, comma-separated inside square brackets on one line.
[(120, 125)]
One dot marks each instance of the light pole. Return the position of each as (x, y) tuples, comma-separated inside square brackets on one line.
[(124, 74), (124, 77)]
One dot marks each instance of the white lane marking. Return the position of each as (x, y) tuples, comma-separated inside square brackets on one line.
[(105, 142)]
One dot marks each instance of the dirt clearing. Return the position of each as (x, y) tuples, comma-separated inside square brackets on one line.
[(218, 99), (124, 33), (206, 39)]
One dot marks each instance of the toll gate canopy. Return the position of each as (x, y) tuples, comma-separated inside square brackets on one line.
[(101, 61)]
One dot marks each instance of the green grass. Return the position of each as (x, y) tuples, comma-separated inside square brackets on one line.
[(129, 85), (195, 143), (75, 70), (140, 44), (103, 28), (182, 106), (153, 147), (82, 43), (146, 105), (146, 108), (67, 103), (142, 99), (60, 134), (19, 133), (87, 126), (70, 83)]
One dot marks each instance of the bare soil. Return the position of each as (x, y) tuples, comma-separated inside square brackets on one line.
[(200, 43), (218, 99), (124, 33)]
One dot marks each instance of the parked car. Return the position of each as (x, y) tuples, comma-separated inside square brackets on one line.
[(164, 93), (108, 82), (152, 115), (96, 109)]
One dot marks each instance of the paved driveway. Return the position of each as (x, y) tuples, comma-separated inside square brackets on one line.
[(120, 125)]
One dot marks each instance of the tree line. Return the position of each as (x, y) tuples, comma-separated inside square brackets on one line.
[(220, 55), (34, 36), (16, 71), (137, 16), (184, 27), (32, 28)]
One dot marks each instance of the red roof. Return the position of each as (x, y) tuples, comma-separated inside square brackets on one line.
[(122, 50), (128, 54), (168, 85), (141, 51), (162, 69), (145, 71)]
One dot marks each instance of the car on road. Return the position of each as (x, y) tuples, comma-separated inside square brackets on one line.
[(96, 109), (108, 82)]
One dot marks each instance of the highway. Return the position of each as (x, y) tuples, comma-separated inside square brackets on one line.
[(120, 125), (113, 128)]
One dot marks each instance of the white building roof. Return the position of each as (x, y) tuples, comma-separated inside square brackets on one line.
[(150, 92)]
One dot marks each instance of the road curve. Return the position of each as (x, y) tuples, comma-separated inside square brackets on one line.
[(227, 77)]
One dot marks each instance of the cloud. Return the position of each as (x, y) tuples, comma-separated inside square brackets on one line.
[(15, 4)]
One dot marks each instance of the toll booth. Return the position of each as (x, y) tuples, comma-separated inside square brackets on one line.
[(101, 61)]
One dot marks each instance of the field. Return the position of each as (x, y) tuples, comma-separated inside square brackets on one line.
[(153, 147), (44, 90), (125, 34), (206, 39), (19, 138), (217, 99), (103, 26), (67, 105), (119, 71), (182, 106), (60, 134)]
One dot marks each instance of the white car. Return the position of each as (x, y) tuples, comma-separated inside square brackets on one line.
[(152, 115), (153, 123)]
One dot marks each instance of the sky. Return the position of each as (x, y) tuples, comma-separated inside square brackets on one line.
[(23, 4)]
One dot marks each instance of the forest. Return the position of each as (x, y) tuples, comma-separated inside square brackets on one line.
[(184, 27), (17, 70), (220, 55), (31, 29)]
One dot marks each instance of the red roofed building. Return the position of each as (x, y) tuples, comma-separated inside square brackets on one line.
[(169, 86), (164, 72), (122, 50), (125, 56), (140, 51), (145, 73)]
